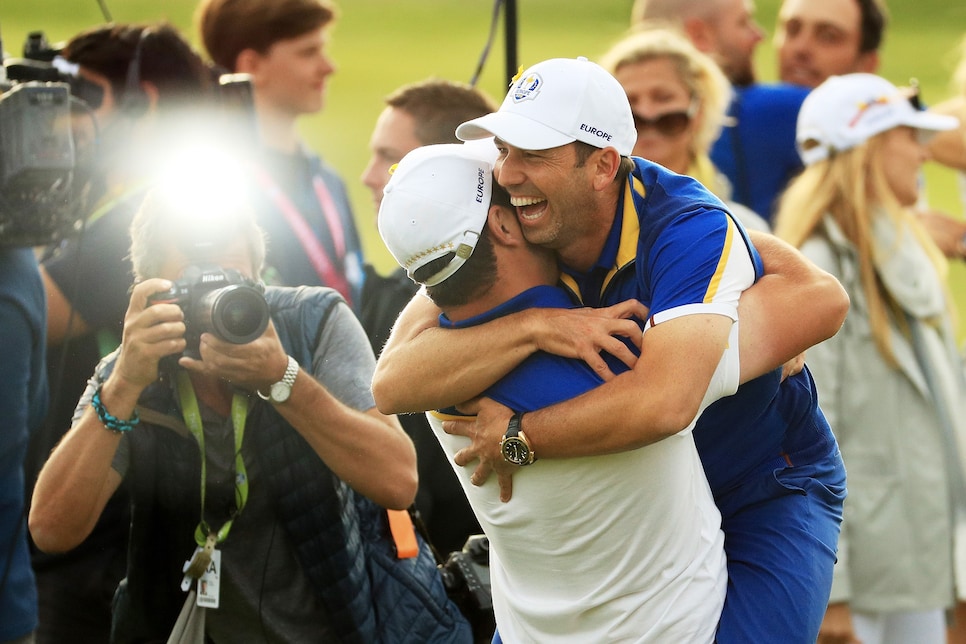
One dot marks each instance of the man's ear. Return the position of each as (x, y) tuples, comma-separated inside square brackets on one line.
[(700, 34), (150, 91), (503, 226), (867, 62), (247, 62), (606, 163)]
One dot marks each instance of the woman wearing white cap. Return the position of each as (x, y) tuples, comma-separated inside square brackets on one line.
[(890, 382)]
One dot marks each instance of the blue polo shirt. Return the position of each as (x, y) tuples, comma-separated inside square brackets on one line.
[(543, 379), (667, 242), (757, 151)]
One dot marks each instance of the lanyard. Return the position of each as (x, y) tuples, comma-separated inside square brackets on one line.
[(192, 418), (321, 262)]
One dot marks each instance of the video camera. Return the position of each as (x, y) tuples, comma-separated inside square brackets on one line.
[(220, 301), (37, 156), (44, 181)]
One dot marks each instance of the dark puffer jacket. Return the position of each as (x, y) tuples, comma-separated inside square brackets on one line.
[(341, 539)]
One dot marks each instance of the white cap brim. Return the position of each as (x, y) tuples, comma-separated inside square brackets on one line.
[(517, 130), (929, 122)]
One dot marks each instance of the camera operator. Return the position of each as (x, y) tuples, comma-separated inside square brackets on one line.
[(148, 75), (277, 508)]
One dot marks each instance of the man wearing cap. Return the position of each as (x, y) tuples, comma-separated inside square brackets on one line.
[(624, 228), (665, 583)]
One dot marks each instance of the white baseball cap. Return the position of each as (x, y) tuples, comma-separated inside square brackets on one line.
[(845, 111), (436, 202), (556, 102)]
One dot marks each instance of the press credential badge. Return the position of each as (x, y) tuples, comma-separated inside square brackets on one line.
[(209, 587)]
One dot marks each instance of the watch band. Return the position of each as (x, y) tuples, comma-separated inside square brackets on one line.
[(288, 379), (513, 427)]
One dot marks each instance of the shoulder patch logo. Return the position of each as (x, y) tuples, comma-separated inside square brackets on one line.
[(527, 88)]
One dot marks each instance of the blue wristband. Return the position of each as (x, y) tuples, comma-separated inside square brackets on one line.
[(113, 423)]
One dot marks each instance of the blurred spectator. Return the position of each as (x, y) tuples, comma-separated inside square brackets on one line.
[(756, 148), (421, 113), (23, 403), (949, 148), (149, 76), (816, 39), (302, 203), (679, 97), (891, 380)]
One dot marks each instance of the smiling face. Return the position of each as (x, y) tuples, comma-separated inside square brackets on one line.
[(820, 38), (290, 78), (655, 88), (555, 199)]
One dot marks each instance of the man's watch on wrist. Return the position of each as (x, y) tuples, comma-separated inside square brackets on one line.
[(281, 390), (514, 445)]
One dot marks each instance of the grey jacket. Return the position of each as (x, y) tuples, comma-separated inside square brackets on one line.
[(898, 542)]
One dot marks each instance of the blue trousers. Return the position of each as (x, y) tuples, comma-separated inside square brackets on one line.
[(781, 533)]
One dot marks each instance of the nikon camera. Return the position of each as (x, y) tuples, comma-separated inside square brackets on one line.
[(220, 301)]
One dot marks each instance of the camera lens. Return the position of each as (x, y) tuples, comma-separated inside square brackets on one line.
[(236, 313)]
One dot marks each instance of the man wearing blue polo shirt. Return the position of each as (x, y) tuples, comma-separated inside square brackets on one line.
[(622, 228)]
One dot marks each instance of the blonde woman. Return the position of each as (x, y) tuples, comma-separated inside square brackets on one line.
[(890, 381), (679, 97)]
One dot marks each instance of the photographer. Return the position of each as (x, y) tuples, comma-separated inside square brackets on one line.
[(148, 76), (282, 510)]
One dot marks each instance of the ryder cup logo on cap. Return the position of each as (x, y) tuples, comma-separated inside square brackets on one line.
[(436, 203), (846, 111), (556, 102), (527, 89)]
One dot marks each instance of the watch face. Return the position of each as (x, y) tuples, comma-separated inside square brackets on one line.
[(280, 392), (515, 451)]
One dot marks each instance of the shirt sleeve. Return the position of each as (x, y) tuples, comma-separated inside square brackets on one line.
[(700, 264), (343, 360), (93, 271)]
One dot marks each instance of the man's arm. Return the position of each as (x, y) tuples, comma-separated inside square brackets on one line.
[(662, 394), (949, 147), (794, 306), (364, 448), (63, 322), (77, 480), (426, 367)]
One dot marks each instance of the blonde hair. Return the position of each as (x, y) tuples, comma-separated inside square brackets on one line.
[(699, 73), (851, 187)]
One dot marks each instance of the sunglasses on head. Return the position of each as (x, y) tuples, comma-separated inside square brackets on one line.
[(669, 124)]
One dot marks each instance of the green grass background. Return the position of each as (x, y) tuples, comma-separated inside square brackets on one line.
[(379, 45)]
